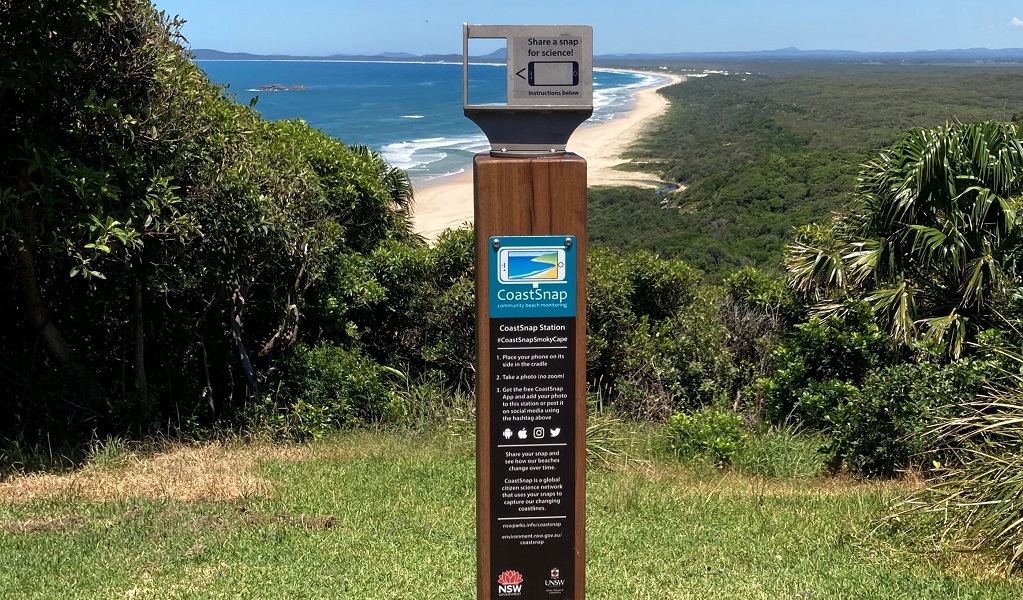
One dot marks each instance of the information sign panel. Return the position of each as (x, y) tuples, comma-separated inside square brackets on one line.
[(549, 66), (532, 416)]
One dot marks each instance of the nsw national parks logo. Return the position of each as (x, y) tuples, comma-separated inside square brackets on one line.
[(509, 584)]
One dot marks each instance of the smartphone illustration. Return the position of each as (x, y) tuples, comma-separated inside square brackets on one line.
[(554, 73), (531, 265)]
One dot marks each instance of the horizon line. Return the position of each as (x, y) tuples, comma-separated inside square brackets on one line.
[(788, 49)]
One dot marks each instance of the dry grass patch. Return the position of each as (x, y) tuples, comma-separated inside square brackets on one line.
[(205, 473)]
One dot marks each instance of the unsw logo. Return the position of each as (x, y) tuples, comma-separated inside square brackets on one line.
[(509, 584), (555, 585)]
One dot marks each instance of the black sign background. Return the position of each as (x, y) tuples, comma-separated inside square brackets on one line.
[(532, 456)]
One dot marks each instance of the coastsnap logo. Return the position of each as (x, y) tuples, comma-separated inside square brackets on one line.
[(509, 584)]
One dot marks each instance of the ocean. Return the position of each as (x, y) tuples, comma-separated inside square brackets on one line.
[(411, 113)]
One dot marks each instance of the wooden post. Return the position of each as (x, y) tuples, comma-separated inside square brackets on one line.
[(530, 197)]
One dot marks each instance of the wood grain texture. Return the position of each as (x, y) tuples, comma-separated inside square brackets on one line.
[(527, 196)]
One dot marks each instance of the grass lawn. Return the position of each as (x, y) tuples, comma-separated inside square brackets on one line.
[(388, 515)]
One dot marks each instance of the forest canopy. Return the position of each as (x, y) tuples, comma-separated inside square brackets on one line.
[(770, 148)]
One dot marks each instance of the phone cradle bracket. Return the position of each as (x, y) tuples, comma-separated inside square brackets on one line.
[(549, 87)]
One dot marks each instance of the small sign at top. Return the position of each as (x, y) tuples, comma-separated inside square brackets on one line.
[(548, 69), (549, 66)]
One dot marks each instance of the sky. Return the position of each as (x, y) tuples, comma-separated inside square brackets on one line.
[(324, 27)]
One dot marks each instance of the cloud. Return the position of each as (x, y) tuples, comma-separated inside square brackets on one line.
[(1016, 22)]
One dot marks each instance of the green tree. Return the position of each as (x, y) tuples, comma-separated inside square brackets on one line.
[(85, 182), (164, 238), (933, 240)]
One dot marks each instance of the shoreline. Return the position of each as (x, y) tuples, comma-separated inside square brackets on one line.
[(447, 202)]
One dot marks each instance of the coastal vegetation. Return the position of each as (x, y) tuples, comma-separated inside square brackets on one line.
[(833, 298), (773, 147)]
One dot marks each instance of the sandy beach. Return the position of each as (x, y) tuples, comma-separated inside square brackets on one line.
[(447, 202)]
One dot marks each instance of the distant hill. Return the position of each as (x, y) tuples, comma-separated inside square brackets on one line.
[(953, 56), (210, 54)]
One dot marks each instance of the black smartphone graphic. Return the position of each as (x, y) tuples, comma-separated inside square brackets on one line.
[(564, 72)]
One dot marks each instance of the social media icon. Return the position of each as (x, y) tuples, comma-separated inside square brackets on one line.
[(555, 432), (523, 434), (508, 434), (538, 432)]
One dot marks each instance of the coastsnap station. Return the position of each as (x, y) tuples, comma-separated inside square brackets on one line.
[(530, 230)]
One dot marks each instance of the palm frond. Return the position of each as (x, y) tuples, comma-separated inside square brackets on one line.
[(935, 234), (947, 331), (814, 261), (896, 307)]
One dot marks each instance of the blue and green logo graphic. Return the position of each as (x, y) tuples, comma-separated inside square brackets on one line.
[(532, 276), (531, 265)]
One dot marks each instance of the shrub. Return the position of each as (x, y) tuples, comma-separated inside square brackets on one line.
[(449, 341), (455, 255), (707, 433), (324, 388), (880, 430), (391, 327), (654, 344), (425, 317), (820, 401), (609, 314), (660, 287), (680, 363), (755, 310), (171, 240), (843, 348)]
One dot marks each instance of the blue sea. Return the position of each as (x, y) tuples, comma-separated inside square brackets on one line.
[(411, 113)]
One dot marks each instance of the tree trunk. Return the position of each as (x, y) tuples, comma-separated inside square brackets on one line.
[(238, 307), (141, 386), (56, 346), (207, 389), (287, 333)]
